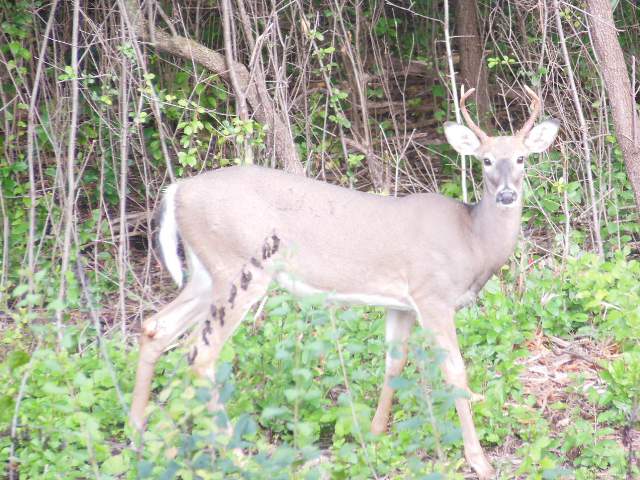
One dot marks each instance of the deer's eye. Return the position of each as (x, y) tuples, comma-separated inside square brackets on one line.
[(487, 162), (520, 160)]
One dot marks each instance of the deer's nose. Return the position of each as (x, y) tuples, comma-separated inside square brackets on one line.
[(506, 196)]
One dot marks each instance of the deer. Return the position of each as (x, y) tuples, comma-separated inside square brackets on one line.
[(422, 257)]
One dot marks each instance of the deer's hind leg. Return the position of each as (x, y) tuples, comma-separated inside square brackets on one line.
[(165, 327), (398, 328), (225, 312)]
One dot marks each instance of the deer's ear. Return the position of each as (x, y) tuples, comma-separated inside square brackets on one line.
[(542, 136), (461, 138)]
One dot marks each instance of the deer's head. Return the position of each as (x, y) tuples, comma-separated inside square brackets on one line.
[(503, 157)]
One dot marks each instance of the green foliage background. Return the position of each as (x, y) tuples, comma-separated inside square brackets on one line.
[(300, 381)]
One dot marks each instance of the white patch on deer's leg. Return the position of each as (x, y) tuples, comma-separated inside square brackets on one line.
[(398, 328), (197, 290), (198, 274)]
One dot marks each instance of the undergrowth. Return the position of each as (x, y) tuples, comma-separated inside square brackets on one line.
[(294, 413)]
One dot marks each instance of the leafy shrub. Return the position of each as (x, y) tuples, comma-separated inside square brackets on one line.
[(293, 410)]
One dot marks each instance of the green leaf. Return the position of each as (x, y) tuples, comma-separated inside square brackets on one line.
[(434, 476), (17, 358), (272, 412), (57, 305), (438, 90), (293, 394), (224, 372), (20, 289), (86, 398), (53, 389), (399, 383), (116, 465)]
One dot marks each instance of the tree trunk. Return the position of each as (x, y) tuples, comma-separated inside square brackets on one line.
[(472, 69), (618, 86)]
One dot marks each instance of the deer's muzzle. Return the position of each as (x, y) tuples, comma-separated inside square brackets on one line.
[(506, 197)]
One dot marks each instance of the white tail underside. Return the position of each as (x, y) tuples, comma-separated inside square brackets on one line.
[(168, 236)]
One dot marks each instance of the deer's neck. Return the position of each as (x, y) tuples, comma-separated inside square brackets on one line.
[(496, 230)]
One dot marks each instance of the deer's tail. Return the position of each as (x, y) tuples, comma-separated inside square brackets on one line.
[(168, 237)]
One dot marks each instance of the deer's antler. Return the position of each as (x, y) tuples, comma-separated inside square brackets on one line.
[(467, 118), (536, 107)]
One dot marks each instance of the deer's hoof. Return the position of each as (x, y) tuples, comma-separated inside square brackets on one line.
[(138, 421), (475, 397), (378, 426), (482, 467)]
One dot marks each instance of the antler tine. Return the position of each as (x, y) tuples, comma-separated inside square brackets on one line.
[(535, 112), (467, 118)]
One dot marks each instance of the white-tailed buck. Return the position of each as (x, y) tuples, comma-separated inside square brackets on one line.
[(422, 256)]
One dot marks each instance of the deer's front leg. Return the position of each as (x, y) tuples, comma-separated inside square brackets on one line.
[(398, 328), (440, 322)]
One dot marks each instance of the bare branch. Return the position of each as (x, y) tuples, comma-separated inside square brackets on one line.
[(279, 139)]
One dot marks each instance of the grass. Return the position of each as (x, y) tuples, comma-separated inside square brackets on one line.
[(558, 360)]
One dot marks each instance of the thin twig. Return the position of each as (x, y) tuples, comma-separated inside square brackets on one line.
[(13, 463), (124, 159), (240, 93), (86, 290), (454, 93), (584, 130), (69, 209), (31, 140), (345, 377)]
